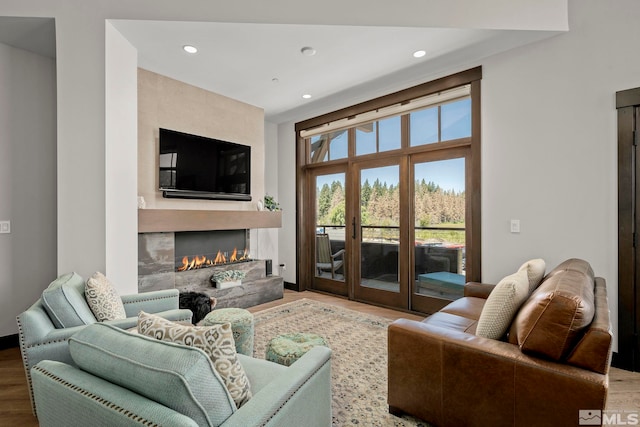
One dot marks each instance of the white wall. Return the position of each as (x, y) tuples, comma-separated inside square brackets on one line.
[(27, 180), (550, 143), (549, 146), (268, 238), (121, 162)]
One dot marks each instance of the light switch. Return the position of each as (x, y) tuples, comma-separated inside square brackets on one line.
[(515, 225), (5, 227)]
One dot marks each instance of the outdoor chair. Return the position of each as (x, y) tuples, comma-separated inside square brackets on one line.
[(325, 260)]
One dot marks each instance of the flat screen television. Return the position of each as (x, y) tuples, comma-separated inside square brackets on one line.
[(197, 167)]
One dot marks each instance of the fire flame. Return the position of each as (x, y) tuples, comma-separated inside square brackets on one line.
[(201, 261)]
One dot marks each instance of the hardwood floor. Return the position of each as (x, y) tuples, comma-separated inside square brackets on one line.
[(15, 408)]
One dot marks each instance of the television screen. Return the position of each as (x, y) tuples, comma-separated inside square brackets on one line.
[(194, 166)]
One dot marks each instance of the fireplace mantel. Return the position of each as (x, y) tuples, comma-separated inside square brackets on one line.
[(165, 220)]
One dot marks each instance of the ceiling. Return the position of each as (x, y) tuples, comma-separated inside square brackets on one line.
[(262, 64)]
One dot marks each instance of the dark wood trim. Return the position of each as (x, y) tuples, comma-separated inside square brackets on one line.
[(628, 98), (628, 106), (9, 341), (302, 246), (444, 83), (291, 286), (474, 220), (161, 220)]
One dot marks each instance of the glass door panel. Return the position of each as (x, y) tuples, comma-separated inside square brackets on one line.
[(439, 229), (330, 232), (378, 241)]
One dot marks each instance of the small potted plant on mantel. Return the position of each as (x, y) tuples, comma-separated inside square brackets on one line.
[(227, 278)]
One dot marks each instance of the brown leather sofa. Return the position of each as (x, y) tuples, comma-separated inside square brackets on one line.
[(552, 364)]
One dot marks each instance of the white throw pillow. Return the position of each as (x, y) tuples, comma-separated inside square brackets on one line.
[(535, 272), (216, 341), (103, 299), (502, 305)]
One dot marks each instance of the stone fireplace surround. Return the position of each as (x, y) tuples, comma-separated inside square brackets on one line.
[(156, 255)]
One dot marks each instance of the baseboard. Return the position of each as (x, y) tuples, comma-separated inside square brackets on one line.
[(10, 341), (291, 286)]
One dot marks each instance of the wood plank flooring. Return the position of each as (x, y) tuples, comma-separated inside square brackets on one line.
[(15, 408)]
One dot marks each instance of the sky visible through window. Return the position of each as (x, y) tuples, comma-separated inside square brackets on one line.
[(448, 174)]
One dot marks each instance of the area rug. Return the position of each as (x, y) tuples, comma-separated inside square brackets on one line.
[(359, 357)]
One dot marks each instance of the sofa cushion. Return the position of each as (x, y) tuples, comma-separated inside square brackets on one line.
[(468, 307), (552, 320), (103, 298), (535, 272), (179, 377), (65, 303), (452, 321), (216, 341), (502, 305)]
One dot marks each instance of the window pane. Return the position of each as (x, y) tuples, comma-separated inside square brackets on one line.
[(338, 147), (440, 247), (423, 127), (389, 133), (319, 149), (329, 146), (330, 226), (456, 119), (366, 138)]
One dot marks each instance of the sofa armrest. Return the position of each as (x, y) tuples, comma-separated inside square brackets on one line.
[(478, 290), (151, 302), (299, 397), (434, 373)]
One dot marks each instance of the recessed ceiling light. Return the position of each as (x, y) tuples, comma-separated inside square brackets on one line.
[(190, 49), (275, 80), (419, 53), (306, 96), (308, 51)]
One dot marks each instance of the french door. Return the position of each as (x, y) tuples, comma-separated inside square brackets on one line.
[(380, 252), (391, 231)]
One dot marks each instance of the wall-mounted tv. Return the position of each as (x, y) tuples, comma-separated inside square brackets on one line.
[(196, 167)]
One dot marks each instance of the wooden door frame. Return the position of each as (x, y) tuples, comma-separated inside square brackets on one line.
[(628, 106)]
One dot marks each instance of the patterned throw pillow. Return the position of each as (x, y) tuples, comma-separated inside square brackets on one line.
[(216, 341), (535, 269), (502, 305), (103, 299)]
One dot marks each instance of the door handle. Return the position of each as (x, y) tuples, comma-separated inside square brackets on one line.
[(353, 228)]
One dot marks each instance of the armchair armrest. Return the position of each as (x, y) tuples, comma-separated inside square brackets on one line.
[(299, 397), (151, 302), (478, 290), (434, 373), (338, 254)]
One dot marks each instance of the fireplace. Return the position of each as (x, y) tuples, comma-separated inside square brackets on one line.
[(162, 257), (202, 249)]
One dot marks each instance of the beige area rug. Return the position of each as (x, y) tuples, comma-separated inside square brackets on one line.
[(359, 357)]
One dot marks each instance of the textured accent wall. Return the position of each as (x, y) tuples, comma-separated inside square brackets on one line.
[(168, 103)]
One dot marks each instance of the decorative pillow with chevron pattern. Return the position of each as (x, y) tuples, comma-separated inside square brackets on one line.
[(502, 305)]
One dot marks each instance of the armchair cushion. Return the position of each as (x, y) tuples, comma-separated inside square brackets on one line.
[(216, 341), (179, 377), (64, 302), (103, 298)]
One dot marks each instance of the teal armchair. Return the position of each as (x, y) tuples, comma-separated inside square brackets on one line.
[(126, 379), (44, 328)]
